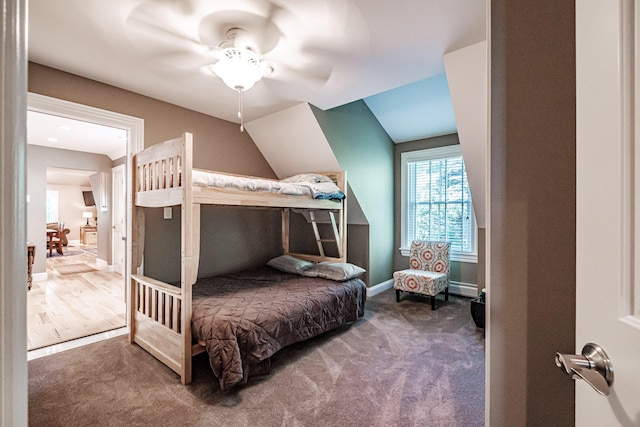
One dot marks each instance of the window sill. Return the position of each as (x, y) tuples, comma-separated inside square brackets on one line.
[(455, 256)]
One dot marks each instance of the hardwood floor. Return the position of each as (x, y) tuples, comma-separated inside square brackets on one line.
[(78, 299)]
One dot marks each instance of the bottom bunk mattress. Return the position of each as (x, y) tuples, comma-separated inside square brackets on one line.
[(244, 318)]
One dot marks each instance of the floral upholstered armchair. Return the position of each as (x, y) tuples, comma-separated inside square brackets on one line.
[(428, 272)]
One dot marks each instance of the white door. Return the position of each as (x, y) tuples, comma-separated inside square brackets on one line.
[(608, 258), (118, 220)]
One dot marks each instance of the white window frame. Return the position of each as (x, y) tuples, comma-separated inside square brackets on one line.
[(52, 206), (423, 155)]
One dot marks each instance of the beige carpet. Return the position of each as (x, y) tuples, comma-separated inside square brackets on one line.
[(401, 365), (74, 268)]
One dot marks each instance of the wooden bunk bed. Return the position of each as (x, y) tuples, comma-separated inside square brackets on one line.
[(160, 313)]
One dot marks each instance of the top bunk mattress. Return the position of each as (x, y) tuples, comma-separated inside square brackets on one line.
[(315, 186), (158, 175)]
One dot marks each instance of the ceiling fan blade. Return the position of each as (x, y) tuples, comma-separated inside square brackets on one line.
[(253, 29), (326, 28), (313, 76), (185, 7), (164, 24)]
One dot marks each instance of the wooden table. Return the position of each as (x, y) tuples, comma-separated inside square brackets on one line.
[(31, 255), (50, 234), (89, 234)]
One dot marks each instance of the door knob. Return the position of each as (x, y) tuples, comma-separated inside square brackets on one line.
[(593, 366)]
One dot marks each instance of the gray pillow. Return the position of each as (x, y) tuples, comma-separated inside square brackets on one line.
[(290, 264), (334, 271)]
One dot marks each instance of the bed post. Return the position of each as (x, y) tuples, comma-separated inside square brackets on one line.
[(137, 249), (187, 251), (343, 219), (285, 230)]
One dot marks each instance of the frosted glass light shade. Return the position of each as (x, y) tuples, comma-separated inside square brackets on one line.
[(238, 68)]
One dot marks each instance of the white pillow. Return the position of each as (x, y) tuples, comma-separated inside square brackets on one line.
[(334, 271), (290, 264)]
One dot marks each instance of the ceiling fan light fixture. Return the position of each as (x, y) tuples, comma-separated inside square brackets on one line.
[(239, 68)]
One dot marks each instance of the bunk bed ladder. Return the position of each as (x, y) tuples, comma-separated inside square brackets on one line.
[(320, 241)]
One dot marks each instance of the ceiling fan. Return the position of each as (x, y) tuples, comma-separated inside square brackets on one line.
[(239, 64), (244, 41)]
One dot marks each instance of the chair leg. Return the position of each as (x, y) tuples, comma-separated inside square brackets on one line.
[(397, 295), (446, 294), (433, 302)]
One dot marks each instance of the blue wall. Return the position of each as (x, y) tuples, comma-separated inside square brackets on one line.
[(365, 151)]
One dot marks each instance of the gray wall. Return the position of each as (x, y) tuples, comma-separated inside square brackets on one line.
[(365, 151), (463, 272), (38, 159), (248, 237), (532, 223)]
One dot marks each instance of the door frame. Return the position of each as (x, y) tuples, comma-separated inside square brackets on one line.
[(134, 127), (114, 244), (13, 257)]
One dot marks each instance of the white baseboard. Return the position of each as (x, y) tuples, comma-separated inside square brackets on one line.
[(469, 290), (103, 263), (39, 277), (79, 342), (380, 287)]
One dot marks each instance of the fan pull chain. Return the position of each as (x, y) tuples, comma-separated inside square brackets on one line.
[(240, 107)]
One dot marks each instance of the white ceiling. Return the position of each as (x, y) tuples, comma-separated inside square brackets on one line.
[(69, 134), (60, 176), (327, 52)]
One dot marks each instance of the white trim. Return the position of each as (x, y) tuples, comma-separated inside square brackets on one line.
[(628, 293), (455, 256), (40, 277), (68, 345), (423, 155), (48, 105), (380, 287), (14, 394), (135, 143), (103, 264), (487, 240), (469, 290), (115, 217)]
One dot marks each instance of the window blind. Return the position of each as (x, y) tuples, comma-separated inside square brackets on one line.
[(439, 202)]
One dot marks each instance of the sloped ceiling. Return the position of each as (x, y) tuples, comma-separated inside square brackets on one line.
[(388, 53), (415, 111)]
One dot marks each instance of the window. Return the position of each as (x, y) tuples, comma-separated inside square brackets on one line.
[(52, 206), (436, 201)]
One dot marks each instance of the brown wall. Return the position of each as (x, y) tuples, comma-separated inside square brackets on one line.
[(532, 223), (218, 145)]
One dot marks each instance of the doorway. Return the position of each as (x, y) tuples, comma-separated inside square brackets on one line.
[(96, 259), (79, 294)]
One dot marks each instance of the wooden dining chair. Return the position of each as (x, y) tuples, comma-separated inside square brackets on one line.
[(55, 240)]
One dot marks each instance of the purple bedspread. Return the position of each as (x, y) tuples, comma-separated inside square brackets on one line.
[(246, 317)]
